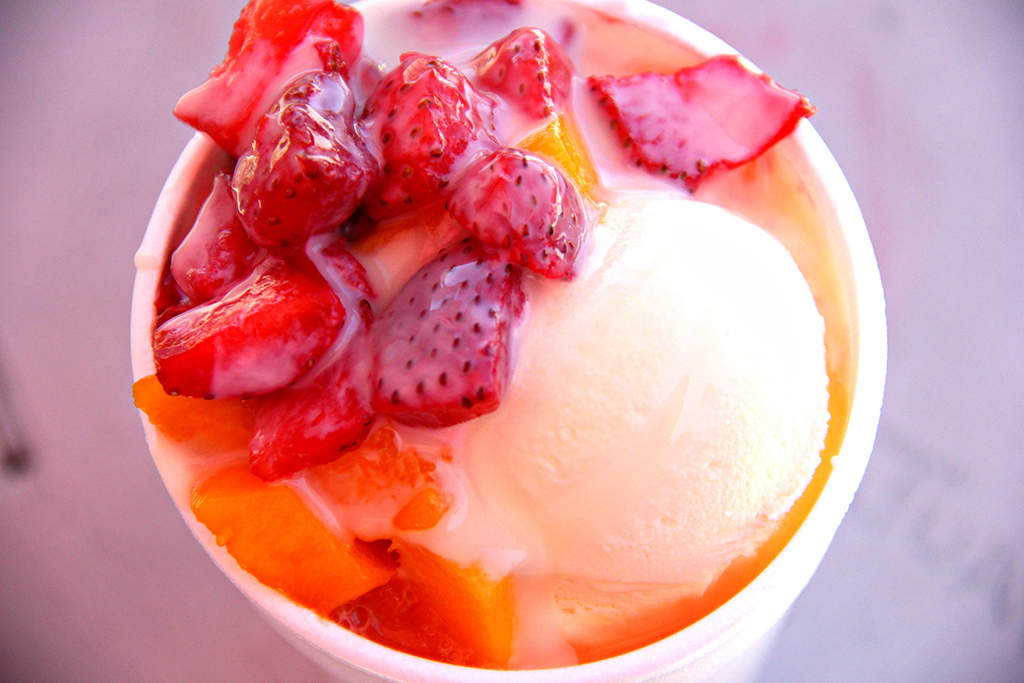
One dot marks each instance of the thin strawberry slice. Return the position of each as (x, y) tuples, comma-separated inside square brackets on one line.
[(216, 253), (523, 206), (261, 336), (702, 119), (327, 414), (272, 42), (443, 343), (308, 168), (529, 69), (425, 118)]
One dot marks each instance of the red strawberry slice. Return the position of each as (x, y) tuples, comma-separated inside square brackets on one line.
[(216, 253), (425, 118), (309, 167), (272, 42), (314, 422), (443, 343), (702, 119), (261, 336), (523, 206), (529, 69)]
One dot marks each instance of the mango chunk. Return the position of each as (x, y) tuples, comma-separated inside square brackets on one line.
[(272, 535), (218, 425), (560, 143), (437, 609), (477, 608), (423, 511)]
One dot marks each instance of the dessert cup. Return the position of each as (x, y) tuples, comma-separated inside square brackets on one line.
[(729, 643)]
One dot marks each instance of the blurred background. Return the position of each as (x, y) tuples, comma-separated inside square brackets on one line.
[(922, 103)]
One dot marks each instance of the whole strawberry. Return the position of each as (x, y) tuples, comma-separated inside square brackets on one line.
[(524, 207), (309, 167), (442, 345), (425, 118), (529, 69)]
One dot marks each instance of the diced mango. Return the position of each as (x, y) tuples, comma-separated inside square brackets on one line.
[(475, 607), (560, 143), (436, 609), (381, 468), (219, 425), (423, 511), (272, 535)]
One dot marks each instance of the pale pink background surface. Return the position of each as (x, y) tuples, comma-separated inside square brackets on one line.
[(922, 103)]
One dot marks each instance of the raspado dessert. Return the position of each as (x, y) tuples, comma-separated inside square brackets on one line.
[(463, 348)]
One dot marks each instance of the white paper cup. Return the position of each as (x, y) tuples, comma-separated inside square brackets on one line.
[(728, 644)]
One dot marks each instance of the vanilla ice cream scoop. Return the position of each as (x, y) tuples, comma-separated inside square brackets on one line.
[(667, 409)]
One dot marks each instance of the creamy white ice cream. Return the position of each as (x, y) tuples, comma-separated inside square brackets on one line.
[(666, 410)]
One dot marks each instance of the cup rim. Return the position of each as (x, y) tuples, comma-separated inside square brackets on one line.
[(738, 622)]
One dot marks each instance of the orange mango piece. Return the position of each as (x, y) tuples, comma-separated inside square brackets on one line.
[(560, 143), (272, 535), (379, 468), (220, 425), (476, 609), (423, 511)]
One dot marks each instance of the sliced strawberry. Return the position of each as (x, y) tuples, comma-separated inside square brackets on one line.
[(169, 300), (216, 253), (523, 206), (308, 168), (442, 345), (310, 424), (273, 41), (529, 69), (702, 119), (261, 336), (425, 118)]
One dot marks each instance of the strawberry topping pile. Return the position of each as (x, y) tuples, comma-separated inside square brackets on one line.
[(700, 120), (267, 299)]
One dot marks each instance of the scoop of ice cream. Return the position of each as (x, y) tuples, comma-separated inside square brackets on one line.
[(667, 408)]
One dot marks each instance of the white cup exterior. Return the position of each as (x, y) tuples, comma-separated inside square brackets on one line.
[(728, 644)]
